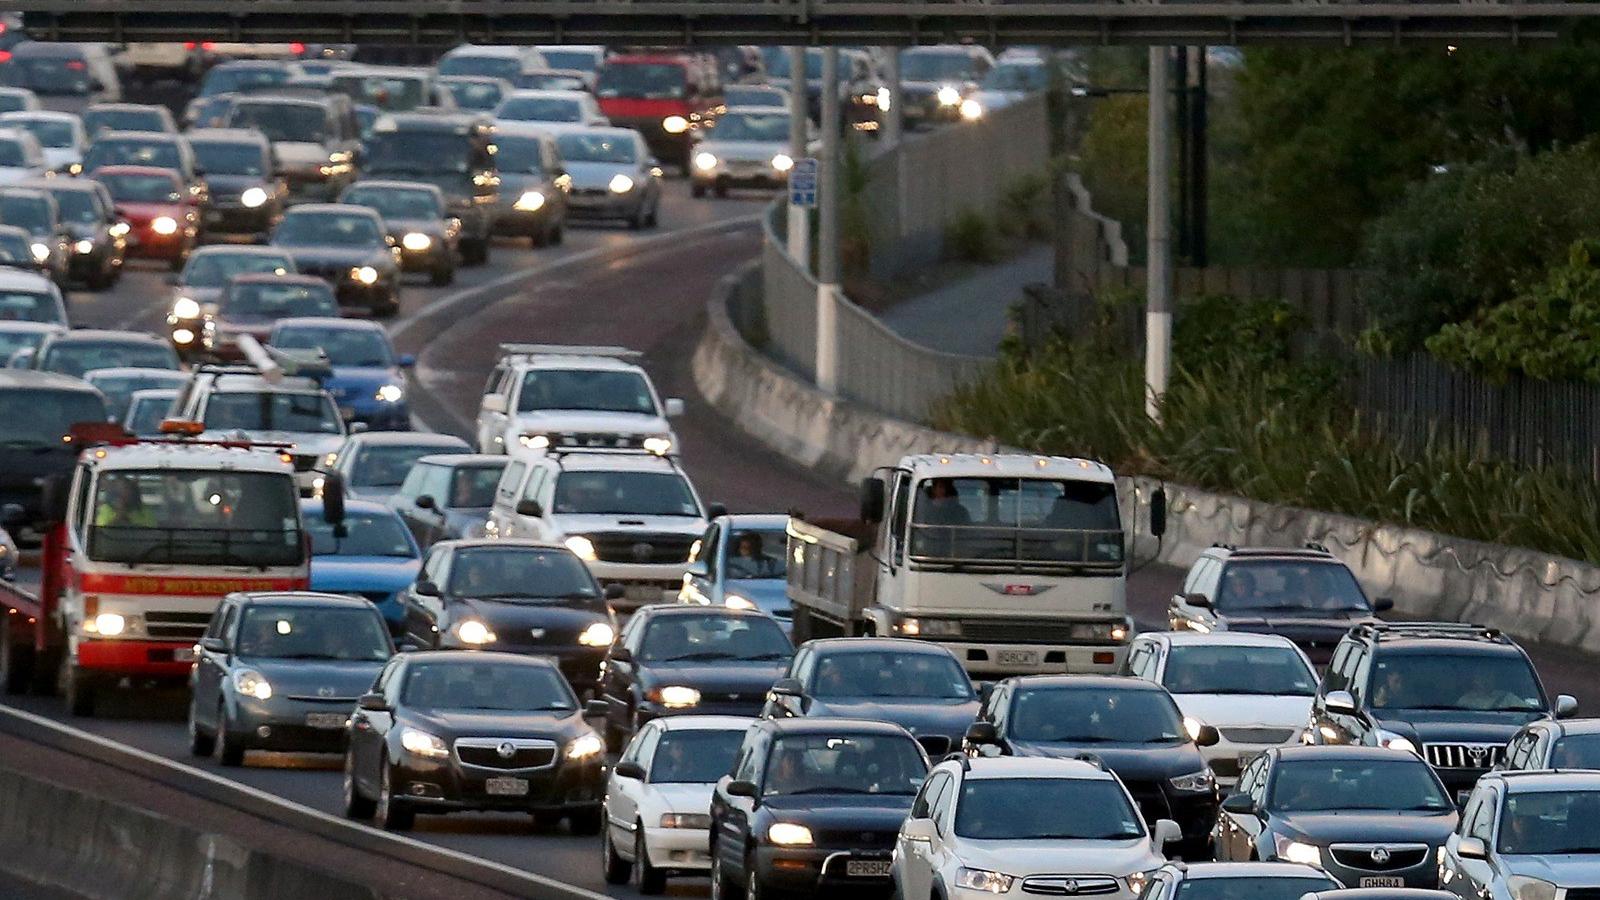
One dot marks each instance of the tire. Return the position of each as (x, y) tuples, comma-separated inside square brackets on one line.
[(200, 743), (698, 191), (443, 276), (390, 813), (637, 221), (475, 251), (557, 235), (78, 690), (752, 882), (615, 868), (646, 878), (655, 215), (225, 747), (355, 805), (722, 887), (721, 190), (16, 660), (586, 821)]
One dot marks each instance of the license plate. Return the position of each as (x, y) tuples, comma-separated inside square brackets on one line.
[(326, 720), (183, 654), (642, 593), (866, 868), (506, 787), (1383, 881), (1019, 657)]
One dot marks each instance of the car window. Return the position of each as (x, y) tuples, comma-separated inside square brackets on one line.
[(693, 756), (631, 753), (713, 637), (510, 481), (844, 763), (922, 807), (1574, 751)]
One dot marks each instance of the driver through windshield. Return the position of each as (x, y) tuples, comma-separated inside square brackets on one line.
[(713, 637)]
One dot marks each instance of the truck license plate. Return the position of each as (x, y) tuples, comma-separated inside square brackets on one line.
[(506, 787), (1385, 881), (326, 720), (1019, 657), (866, 868), (642, 593)]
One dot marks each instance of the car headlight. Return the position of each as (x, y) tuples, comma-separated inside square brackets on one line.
[(416, 241), (253, 197), (1523, 887), (1297, 851), (530, 201), (182, 336), (928, 627), (84, 246), (971, 110), (1193, 782), (1390, 740), (534, 441), (620, 184), (658, 445), (783, 162), (41, 252), (705, 162), (788, 834), (697, 821), (119, 229), (676, 696), (471, 631), (983, 880), (317, 484), (674, 124), (251, 683), (598, 634), (588, 745), (949, 96), (365, 274), (109, 624), (582, 546), (164, 225), (422, 743), (185, 308), (391, 393), (734, 601), (885, 99), (1138, 881)]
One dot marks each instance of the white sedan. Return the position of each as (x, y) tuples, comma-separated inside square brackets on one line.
[(1256, 689), (658, 799)]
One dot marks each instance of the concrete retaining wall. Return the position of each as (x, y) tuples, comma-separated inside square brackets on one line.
[(1529, 595)]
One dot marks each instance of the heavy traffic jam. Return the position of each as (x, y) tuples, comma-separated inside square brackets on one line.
[(943, 698)]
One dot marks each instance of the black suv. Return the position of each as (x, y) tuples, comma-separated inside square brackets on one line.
[(1305, 594), (1455, 694)]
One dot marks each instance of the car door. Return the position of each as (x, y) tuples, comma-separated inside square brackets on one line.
[(1471, 877), (369, 728), (701, 579), (210, 668), (502, 515), (733, 837), (1237, 832), (916, 872), (622, 803), (423, 612), (617, 675), (492, 412), (1184, 613)]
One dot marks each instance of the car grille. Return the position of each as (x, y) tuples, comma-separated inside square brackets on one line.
[(1379, 857), (937, 745), (176, 626), (486, 753), (1582, 893), (1464, 756), (1258, 735), (1070, 885), (330, 699), (329, 272), (1225, 767), (547, 637), (1023, 631), (857, 839), (1152, 801), (305, 462), (642, 547), (602, 439), (590, 192)]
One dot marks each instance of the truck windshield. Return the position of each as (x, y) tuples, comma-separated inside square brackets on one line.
[(646, 81), (196, 517), (1018, 520)]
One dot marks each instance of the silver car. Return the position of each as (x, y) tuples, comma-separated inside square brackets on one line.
[(1526, 835), (748, 147), (613, 175)]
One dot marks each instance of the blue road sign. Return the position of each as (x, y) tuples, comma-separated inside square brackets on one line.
[(803, 183)]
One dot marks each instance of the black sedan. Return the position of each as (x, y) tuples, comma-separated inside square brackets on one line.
[(674, 660), (1368, 816), (418, 222), (247, 197), (812, 805), (281, 671), (917, 685), (97, 238), (512, 595), (347, 246), (1130, 724), (451, 731)]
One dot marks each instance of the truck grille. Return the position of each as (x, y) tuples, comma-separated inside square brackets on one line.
[(1258, 735), (1024, 631), (1379, 857), (1070, 885), (176, 626), (1464, 756), (601, 439), (525, 754), (642, 547)]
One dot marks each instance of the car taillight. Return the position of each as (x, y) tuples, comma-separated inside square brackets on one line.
[(75, 65), (297, 48), (5, 56), (208, 45), (189, 45)]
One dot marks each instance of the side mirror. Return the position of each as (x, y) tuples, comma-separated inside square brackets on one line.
[(922, 830), (1566, 706), (372, 703), (529, 508), (1199, 601), (495, 403), (621, 654), (1382, 604), (788, 687), (596, 708), (53, 502), (741, 788), (979, 733), (425, 502), (1340, 703), (715, 510), (674, 407), (616, 591), (1166, 832), (1239, 804), (358, 427), (1473, 848), (699, 569), (426, 589), (1208, 736), (1158, 512), (872, 498), (333, 499), (214, 645), (629, 770), (407, 360)]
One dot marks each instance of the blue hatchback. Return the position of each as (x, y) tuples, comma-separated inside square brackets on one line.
[(375, 558), (369, 379)]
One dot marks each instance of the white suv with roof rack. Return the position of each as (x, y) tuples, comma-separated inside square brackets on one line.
[(599, 397), (631, 515)]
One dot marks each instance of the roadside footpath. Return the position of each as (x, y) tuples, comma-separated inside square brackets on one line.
[(971, 314)]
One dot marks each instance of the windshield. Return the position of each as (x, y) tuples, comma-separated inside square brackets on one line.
[(215, 269), (713, 637), (590, 147), (14, 101), (387, 465), (694, 757), (12, 341), (52, 133), (12, 155), (1221, 669), (129, 187), (479, 95), (577, 60), (1281, 585), (763, 127), (607, 391), (1304, 785), (26, 306), (778, 63), (61, 75), (1016, 77), (392, 93), (418, 153), (1246, 888), (462, 487), (311, 632), (645, 81), (936, 66), (757, 555), (887, 673), (352, 347), (206, 517), (78, 206), (272, 411), (328, 230), (1039, 809), (133, 152), (1037, 520), (488, 65), (219, 158), (1481, 682), (119, 388), (77, 357), (519, 154), (1096, 716), (1576, 751), (282, 121), (502, 687), (35, 417), (392, 203), (98, 120), (366, 534), (146, 413), (630, 493), (238, 79), (1550, 823), (521, 573), (844, 764), (24, 211), (540, 109), (749, 96), (551, 81), (265, 301)]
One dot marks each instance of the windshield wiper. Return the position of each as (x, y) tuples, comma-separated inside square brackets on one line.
[(833, 790), (704, 654), (318, 656), (766, 656)]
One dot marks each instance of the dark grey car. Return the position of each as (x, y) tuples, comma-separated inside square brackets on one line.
[(447, 496)]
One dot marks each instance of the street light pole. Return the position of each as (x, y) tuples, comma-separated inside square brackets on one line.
[(892, 117), (799, 116), (828, 228), (1158, 241)]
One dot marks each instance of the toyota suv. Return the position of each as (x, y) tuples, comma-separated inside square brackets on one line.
[(1454, 694)]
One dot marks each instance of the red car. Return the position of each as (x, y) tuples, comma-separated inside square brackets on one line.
[(665, 97), (162, 222)]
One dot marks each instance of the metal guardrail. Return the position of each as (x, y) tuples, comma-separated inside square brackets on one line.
[(678, 22)]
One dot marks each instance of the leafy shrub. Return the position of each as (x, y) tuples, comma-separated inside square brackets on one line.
[(1025, 203), (970, 236)]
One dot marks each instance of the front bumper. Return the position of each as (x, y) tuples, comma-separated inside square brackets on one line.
[(510, 221), (137, 658), (102, 257), (811, 869), (600, 203), (1228, 758), (678, 849), (740, 173), (447, 786), (145, 243), (579, 665), (748, 706), (353, 293), (995, 660), (643, 584), (379, 416), (1422, 875), (283, 724), (439, 255), (308, 186)]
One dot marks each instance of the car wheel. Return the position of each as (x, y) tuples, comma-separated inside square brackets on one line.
[(200, 743), (225, 747), (616, 868), (722, 888), (698, 191), (585, 821), (637, 221), (355, 805), (391, 813), (655, 215), (16, 660), (647, 879), (443, 275), (77, 689), (752, 882)]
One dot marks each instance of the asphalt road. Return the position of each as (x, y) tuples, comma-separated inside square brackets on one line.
[(646, 291)]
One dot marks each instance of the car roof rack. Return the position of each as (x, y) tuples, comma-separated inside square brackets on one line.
[(1304, 552), (508, 351), (1402, 630)]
